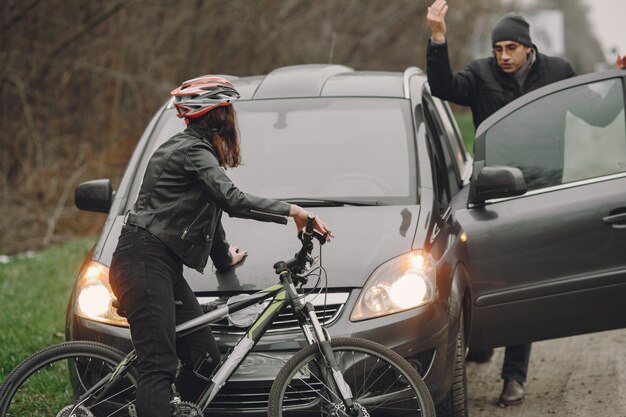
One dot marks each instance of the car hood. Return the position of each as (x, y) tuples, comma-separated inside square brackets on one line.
[(365, 237)]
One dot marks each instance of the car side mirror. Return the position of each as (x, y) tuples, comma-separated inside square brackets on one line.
[(95, 195), (497, 182)]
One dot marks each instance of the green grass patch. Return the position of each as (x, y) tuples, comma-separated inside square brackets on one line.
[(466, 125), (34, 292)]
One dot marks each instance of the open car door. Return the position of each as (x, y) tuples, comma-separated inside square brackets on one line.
[(550, 262)]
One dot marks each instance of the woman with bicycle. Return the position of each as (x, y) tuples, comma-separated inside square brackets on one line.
[(174, 222)]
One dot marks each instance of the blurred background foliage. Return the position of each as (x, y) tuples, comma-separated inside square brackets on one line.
[(80, 79)]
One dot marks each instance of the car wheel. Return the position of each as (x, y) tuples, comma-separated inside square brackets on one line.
[(455, 402)]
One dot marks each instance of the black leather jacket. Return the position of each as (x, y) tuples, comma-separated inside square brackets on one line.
[(182, 196)]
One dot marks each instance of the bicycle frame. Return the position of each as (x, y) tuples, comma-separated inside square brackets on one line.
[(281, 295)]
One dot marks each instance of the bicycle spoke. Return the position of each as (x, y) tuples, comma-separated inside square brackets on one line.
[(53, 379), (383, 384)]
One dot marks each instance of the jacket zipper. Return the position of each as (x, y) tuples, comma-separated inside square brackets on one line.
[(186, 231), (280, 216)]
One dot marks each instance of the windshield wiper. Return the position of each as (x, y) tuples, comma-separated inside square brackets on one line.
[(325, 202)]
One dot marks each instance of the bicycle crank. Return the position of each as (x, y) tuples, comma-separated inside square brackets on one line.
[(185, 409), (79, 412)]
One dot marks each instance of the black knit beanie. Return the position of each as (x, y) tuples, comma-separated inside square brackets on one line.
[(511, 27)]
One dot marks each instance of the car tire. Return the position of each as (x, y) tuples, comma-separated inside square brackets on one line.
[(455, 401)]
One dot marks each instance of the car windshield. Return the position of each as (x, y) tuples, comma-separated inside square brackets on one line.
[(352, 150)]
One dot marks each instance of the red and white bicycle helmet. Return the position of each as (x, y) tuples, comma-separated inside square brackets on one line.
[(199, 96)]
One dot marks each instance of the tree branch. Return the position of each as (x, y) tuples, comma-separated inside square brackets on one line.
[(30, 120), (54, 218), (84, 29), (17, 17)]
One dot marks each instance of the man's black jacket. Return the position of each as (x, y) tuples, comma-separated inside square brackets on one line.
[(182, 196), (482, 85)]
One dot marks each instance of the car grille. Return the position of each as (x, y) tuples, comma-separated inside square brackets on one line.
[(328, 308), (424, 361), (255, 396)]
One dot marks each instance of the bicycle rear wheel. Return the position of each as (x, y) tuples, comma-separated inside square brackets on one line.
[(383, 384), (48, 383)]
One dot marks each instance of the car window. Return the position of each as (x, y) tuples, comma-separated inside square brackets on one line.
[(453, 136), (446, 170), (333, 148), (572, 135)]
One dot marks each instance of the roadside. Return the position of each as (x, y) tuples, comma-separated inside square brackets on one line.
[(34, 289), (582, 376)]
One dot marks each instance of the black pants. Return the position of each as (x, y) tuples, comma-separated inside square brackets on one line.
[(146, 277), (515, 364)]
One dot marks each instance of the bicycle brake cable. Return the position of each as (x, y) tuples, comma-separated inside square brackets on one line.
[(322, 275)]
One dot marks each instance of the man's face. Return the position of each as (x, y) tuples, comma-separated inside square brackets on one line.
[(510, 55)]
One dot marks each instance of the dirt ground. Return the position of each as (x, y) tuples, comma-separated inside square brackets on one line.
[(582, 376)]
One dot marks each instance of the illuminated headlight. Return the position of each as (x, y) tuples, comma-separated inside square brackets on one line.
[(94, 296), (402, 283)]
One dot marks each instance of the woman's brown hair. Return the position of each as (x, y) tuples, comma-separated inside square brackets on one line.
[(221, 125)]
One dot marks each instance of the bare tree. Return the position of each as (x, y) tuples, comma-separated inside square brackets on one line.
[(80, 80)]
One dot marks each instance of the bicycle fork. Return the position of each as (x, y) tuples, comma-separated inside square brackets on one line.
[(324, 342), (336, 380)]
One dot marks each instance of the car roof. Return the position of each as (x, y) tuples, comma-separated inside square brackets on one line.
[(324, 80)]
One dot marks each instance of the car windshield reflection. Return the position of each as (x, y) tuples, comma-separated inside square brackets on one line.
[(353, 151)]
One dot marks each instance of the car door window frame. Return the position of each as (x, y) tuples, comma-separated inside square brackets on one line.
[(454, 137), (442, 154)]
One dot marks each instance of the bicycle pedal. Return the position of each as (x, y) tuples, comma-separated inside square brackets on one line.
[(132, 410)]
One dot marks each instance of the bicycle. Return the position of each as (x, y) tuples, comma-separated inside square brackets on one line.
[(329, 377)]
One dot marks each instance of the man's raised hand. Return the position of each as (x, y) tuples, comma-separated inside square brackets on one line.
[(436, 20)]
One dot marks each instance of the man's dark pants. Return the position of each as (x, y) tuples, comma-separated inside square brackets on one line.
[(515, 364)]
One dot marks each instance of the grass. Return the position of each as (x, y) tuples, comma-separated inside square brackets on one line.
[(33, 296), (466, 125)]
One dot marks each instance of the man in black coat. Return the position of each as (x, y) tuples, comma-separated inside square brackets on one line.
[(486, 85)]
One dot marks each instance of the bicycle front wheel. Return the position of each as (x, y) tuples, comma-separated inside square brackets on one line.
[(383, 384), (49, 382)]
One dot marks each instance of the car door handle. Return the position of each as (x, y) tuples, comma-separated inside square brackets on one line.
[(617, 220)]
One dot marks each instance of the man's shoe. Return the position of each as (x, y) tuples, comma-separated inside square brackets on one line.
[(512, 393)]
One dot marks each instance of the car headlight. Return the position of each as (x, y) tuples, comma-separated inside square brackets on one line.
[(400, 284), (94, 296)]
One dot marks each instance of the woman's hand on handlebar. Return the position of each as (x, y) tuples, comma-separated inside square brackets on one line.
[(300, 216)]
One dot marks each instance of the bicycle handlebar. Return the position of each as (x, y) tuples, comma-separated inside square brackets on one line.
[(297, 264)]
